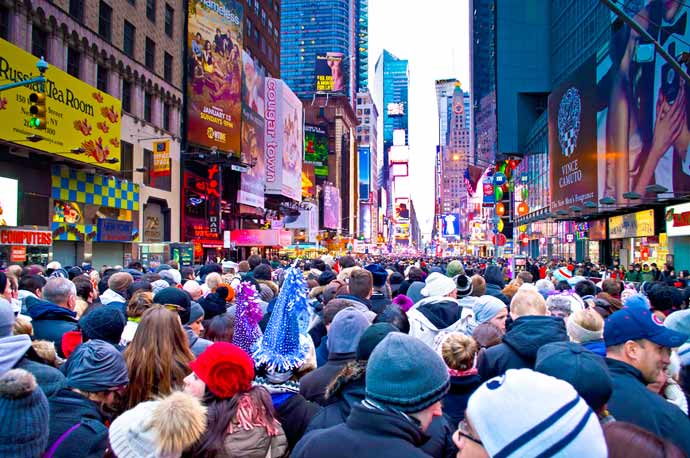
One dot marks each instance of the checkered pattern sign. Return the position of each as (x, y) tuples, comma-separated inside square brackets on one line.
[(76, 186)]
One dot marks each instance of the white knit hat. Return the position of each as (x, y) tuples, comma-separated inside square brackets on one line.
[(158, 429), (525, 413), (438, 284)]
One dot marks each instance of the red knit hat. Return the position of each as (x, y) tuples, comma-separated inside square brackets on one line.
[(225, 369)]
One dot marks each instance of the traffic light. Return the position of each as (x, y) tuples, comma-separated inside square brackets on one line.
[(37, 110)]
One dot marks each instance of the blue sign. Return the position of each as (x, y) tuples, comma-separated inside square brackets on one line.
[(113, 230), (500, 179), (451, 224)]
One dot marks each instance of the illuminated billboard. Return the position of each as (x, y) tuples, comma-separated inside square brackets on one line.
[(214, 87), (251, 190), (364, 172), (9, 192), (330, 76), (395, 109), (331, 207), (316, 149)]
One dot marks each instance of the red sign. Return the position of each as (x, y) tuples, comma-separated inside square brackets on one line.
[(25, 237), (501, 240), (18, 254)]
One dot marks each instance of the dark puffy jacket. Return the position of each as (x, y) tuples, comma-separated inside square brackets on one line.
[(313, 385), (379, 302), (367, 433), (520, 345), (90, 439), (495, 283), (633, 402), (50, 379), (293, 411), (455, 401), (213, 305), (50, 321)]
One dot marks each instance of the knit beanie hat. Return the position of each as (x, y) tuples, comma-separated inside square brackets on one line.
[(371, 337), (24, 416), (6, 318), (175, 296), (378, 273), (159, 285), (562, 274), (463, 284), (405, 374), (163, 428), (404, 302), (284, 344), (414, 292), (584, 370), (326, 277), (677, 321), (438, 284), (454, 268), (225, 368), (95, 366), (486, 307), (120, 281), (345, 331), (105, 323), (248, 314), (195, 312), (581, 334), (526, 413)]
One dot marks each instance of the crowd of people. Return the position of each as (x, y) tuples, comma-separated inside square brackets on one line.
[(348, 357)]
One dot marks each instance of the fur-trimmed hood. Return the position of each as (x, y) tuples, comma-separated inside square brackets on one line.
[(271, 285), (351, 372)]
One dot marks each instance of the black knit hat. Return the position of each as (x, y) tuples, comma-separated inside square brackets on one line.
[(23, 415), (371, 338), (175, 296), (326, 277), (105, 323)]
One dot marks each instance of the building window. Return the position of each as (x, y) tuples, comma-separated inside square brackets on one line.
[(150, 57), (73, 62), (39, 41), (167, 67), (4, 23), (151, 10), (76, 9), (169, 18), (166, 116), (148, 106), (105, 17), (127, 96), (102, 78), (128, 40)]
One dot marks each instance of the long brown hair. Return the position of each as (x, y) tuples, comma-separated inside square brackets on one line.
[(157, 358)]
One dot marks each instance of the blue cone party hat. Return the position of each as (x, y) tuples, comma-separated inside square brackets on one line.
[(247, 317), (280, 348)]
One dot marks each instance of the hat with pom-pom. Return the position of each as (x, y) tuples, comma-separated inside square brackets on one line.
[(225, 368), (23, 415)]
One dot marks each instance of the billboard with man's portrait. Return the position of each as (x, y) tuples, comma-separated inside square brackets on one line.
[(214, 62)]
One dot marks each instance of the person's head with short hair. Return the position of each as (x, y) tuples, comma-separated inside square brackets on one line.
[(636, 336), (213, 280), (221, 328), (478, 286), (194, 289), (487, 335), (262, 272), (254, 260), (415, 274), (361, 283), (60, 291), (527, 302), (545, 287), (586, 289), (15, 270), (394, 315), (585, 325), (187, 273), (84, 288), (458, 351), (346, 262), (33, 284), (627, 440), (243, 267), (664, 297), (525, 276), (318, 264), (612, 287)]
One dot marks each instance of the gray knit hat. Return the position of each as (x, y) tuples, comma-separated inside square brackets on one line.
[(23, 416), (96, 366), (405, 374)]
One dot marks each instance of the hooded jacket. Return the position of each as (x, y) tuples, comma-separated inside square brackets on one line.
[(367, 433), (633, 402), (495, 283), (196, 343), (14, 354), (90, 439), (432, 315), (360, 304), (50, 321), (313, 385), (115, 299), (379, 302), (520, 345)]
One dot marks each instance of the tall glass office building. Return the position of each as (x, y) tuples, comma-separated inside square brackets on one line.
[(392, 82), (310, 28)]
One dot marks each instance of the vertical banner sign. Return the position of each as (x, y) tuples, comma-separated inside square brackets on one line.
[(251, 190), (161, 158), (214, 62), (283, 140), (213, 199)]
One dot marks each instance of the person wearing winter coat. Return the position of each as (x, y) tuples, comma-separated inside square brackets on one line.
[(194, 328), (531, 329), (495, 283), (53, 316), (637, 348), (394, 417), (459, 352), (215, 303), (241, 418), (586, 327), (381, 294), (438, 311), (343, 337), (95, 373)]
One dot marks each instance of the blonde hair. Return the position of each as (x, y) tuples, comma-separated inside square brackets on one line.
[(588, 319), (22, 326), (458, 351), (213, 280), (527, 302), (478, 285)]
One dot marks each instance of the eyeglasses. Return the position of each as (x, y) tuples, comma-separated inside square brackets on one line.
[(464, 431)]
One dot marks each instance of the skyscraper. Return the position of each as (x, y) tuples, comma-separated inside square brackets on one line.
[(362, 76), (310, 29)]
